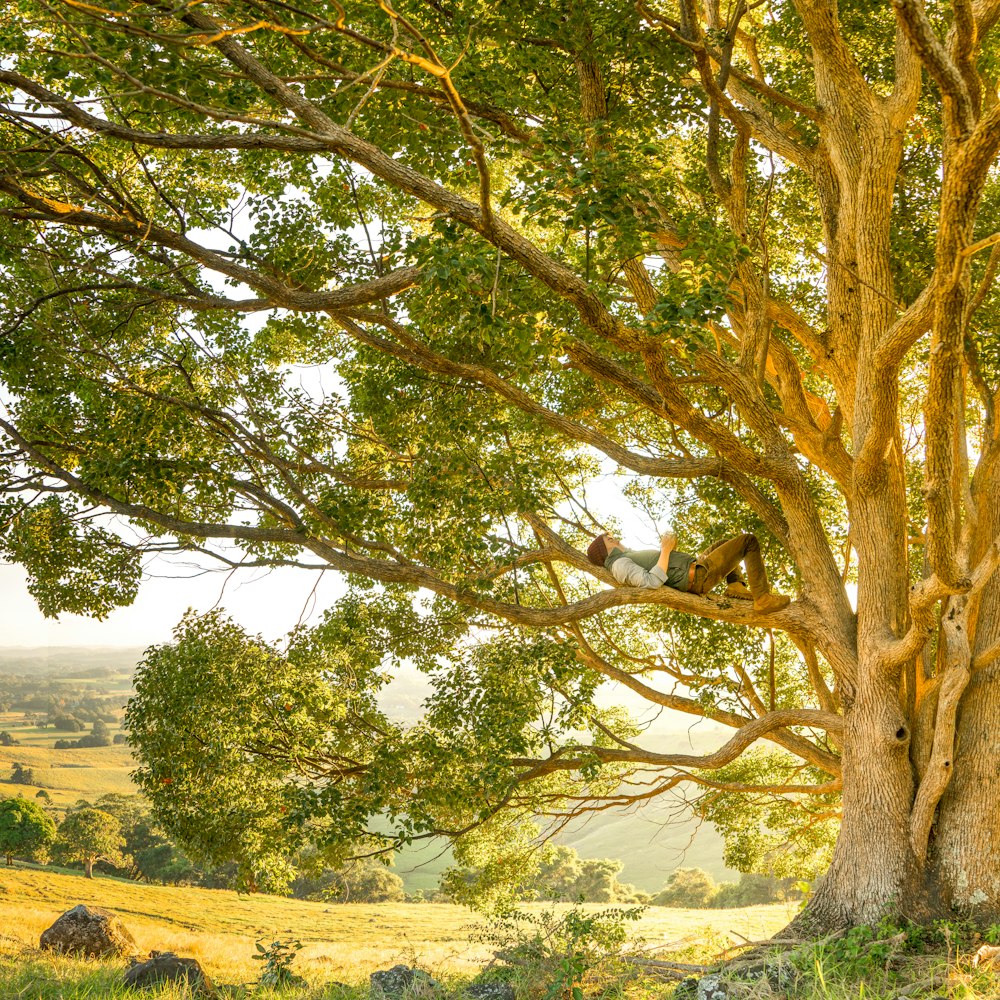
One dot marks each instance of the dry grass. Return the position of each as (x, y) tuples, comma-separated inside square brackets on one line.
[(342, 942), (69, 775)]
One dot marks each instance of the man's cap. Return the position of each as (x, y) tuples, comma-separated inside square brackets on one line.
[(598, 551)]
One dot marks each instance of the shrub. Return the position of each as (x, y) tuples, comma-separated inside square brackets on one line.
[(686, 887), (21, 774), (557, 955), (26, 830)]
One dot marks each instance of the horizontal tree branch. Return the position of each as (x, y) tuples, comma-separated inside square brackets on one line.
[(800, 617), (726, 754)]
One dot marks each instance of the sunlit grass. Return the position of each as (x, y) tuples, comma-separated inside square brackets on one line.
[(342, 943), (69, 775)]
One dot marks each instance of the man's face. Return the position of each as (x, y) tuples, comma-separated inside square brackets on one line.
[(611, 543)]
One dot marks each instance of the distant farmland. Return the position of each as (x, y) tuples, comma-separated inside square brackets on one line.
[(650, 842)]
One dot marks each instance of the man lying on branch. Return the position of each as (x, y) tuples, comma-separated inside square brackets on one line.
[(698, 574)]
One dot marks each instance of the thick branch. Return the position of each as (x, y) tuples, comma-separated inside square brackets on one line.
[(938, 63), (747, 735)]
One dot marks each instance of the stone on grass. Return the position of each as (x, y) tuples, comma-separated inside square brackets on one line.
[(165, 967), (712, 988), (390, 984), (89, 930), (495, 989), (736, 979)]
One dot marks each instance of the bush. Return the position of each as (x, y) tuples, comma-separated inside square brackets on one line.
[(67, 724), (559, 956), (277, 958), (753, 890), (365, 880), (557, 872), (687, 887), (21, 774), (26, 830)]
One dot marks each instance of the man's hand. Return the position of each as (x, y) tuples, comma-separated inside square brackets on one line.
[(668, 541)]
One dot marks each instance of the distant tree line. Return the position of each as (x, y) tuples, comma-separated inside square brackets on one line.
[(99, 736), (693, 887), (66, 704)]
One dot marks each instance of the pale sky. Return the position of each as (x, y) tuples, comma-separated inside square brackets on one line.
[(269, 603)]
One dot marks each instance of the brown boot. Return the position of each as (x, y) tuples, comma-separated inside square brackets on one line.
[(771, 602), (738, 590)]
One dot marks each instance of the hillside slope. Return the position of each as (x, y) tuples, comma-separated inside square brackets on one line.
[(345, 942)]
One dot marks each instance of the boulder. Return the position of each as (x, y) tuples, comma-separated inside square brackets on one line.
[(165, 967), (495, 989), (89, 930), (390, 984), (712, 987), (779, 977)]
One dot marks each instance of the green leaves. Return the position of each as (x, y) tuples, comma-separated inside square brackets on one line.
[(224, 725), (90, 835), (26, 829), (73, 565)]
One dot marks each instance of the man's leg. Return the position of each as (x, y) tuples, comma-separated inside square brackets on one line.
[(737, 582), (723, 559)]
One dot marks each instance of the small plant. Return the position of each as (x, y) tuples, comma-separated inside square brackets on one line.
[(277, 958), (556, 954)]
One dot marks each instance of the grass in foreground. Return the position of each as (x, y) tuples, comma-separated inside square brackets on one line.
[(343, 943)]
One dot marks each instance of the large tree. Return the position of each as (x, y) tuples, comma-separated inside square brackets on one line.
[(383, 290), (91, 835)]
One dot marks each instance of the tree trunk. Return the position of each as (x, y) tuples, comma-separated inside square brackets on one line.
[(966, 848), (10, 860), (88, 868), (966, 845), (873, 870)]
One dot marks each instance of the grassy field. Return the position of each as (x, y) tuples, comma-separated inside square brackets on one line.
[(344, 943), (69, 775)]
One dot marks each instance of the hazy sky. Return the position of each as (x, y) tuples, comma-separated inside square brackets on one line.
[(266, 603)]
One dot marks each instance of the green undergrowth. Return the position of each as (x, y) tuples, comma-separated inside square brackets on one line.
[(890, 961)]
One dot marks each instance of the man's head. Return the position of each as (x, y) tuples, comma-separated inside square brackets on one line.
[(600, 547)]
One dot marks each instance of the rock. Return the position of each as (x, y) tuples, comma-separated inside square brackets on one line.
[(686, 989), (89, 930), (390, 984), (493, 990), (712, 988), (779, 975), (166, 967), (733, 981)]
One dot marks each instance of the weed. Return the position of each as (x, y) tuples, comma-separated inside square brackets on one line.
[(277, 958), (555, 953)]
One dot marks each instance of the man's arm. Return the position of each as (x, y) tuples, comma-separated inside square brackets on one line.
[(631, 574)]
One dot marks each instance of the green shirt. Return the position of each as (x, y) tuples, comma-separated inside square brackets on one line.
[(646, 574)]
